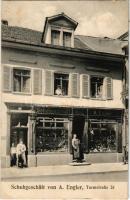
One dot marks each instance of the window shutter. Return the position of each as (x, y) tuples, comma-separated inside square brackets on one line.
[(109, 88), (119, 138), (75, 85), (37, 81), (49, 82), (85, 85), (7, 78)]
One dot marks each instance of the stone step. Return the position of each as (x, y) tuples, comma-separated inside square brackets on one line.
[(79, 163)]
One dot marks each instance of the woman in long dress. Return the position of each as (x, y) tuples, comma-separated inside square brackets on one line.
[(76, 148)]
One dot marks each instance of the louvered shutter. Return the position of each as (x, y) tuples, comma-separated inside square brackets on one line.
[(49, 82), (85, 85), (74, 85), (109, 88), (37, 81), (7, 78), (119, 138)]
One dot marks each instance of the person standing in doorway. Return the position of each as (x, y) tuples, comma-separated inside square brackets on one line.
[(13, 154), (21, 158), (76, 148)]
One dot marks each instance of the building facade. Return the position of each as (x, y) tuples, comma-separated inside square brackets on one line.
[(55, 84), (124, 44)]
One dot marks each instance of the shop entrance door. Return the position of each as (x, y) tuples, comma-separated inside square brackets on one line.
[(16, 135), (78, 129), (19, 130)]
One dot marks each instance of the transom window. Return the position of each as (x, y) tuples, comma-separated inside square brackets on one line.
[(21, 80), (61, 82), (96, 87), (50, 122)]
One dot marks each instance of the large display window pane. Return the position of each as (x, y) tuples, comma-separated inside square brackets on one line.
[(103, 137), (52, 135)]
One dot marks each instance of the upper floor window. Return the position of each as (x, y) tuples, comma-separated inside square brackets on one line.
[(21, 80), (66, 39), (96, 87), (25, 80), (61, 37), (61, 82), (55, 37)]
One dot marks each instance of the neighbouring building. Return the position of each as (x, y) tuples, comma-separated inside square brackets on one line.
[(55, 84), (124, 45)]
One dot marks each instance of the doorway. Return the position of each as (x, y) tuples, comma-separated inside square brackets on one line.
[(78, 126), (19, 130)]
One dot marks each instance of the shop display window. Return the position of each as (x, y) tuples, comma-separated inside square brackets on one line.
[(52, 136), (102, 137)]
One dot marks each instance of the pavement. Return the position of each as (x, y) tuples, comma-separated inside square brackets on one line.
[(86, 168)]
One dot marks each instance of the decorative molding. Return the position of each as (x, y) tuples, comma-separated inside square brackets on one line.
[(97, 69), (63, 66), (22, 61)]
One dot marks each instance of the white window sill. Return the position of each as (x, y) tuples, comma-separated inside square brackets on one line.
[(61, 96), (22, 93), (51, 152), (99, 99)]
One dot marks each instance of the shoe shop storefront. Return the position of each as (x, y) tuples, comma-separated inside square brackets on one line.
[(47, 133)]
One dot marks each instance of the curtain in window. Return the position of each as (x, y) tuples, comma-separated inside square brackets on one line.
[(66, 39), (55, 37)]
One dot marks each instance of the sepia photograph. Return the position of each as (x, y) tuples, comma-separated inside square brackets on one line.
[(64, 98)]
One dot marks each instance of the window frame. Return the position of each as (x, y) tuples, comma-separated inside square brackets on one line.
[(56, 30), (65, 73), (103, 96), (116, 134), (12, 76), (62, 30), (54, 120), (70, 38)]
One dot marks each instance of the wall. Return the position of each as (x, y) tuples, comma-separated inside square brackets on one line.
[(65, 64), (65, 159)]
